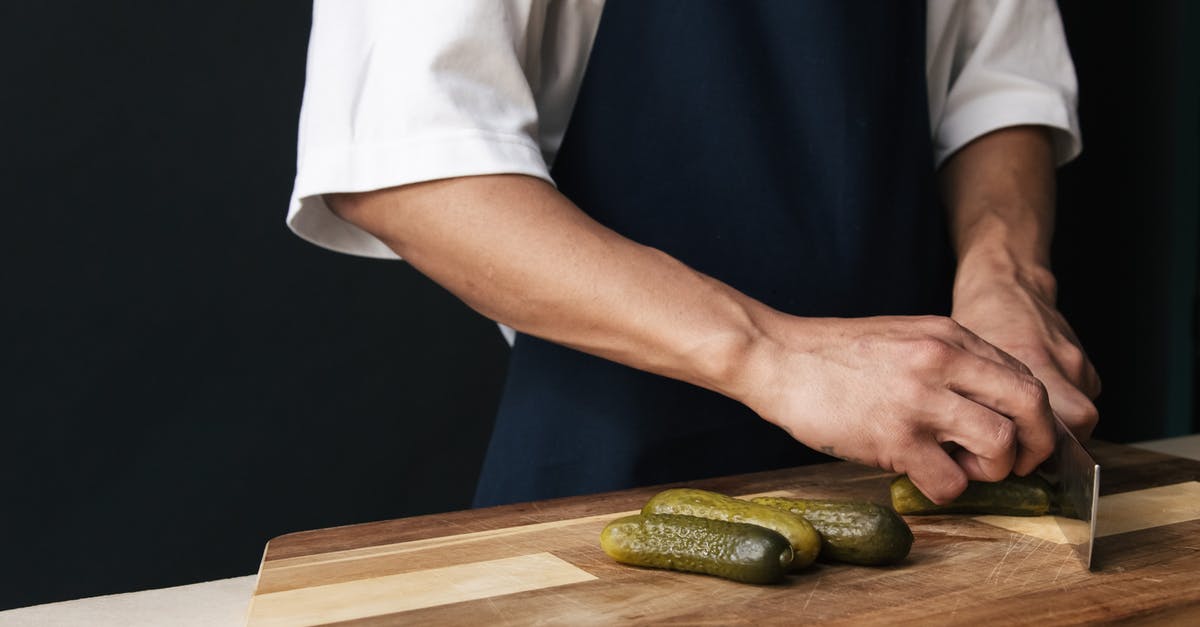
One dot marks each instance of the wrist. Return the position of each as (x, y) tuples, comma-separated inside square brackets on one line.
[(770, 361), (724, 356), (734, 360), (985, 265)]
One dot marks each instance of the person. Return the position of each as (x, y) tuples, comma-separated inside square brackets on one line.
[(717, 228)]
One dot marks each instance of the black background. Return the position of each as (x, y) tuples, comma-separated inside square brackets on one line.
[(184, 379)]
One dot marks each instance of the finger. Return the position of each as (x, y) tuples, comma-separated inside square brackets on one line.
[(1073, 364), (1075, 367), (1089, 379), (935, 474), (1018, 396), (988, 440), (1073, 406), (970, 464)]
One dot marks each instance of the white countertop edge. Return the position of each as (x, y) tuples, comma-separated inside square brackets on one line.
[(208, 604)]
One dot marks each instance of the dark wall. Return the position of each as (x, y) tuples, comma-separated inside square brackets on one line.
[(183, 379), (1128, 228)]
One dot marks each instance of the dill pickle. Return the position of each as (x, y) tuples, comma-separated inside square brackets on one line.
[(851, 532), (1014, 496), (805, 540), (737, 551)]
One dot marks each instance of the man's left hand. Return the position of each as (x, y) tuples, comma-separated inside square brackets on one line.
[(1015, 311)]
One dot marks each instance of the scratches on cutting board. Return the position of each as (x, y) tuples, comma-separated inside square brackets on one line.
[(816, 584), (1067, 559), (1012, 545)]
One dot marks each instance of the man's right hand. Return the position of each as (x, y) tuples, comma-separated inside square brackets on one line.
[(895, 392), (891, 392)]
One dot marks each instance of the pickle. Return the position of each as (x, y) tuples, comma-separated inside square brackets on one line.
[(737, 551), (1014, 496), (804, 539), (851, 532)]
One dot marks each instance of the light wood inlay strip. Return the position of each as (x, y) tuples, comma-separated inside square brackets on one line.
[(444, 541), (1152, 507), (391, 594), (1118, 513), (431, 543)]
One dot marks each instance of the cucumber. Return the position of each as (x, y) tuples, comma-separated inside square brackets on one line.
[(805, 540), (851, 532), (736, 551), (1014, 496)]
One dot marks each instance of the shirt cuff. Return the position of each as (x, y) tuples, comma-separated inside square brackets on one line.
[(371, 166), (985, 114)]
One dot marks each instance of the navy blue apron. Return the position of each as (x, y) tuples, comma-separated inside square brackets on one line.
[(782, 147)]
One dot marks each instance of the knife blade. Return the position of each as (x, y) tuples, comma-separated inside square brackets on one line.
[(1075, 476)]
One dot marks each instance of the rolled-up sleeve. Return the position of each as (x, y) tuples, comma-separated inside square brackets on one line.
[(403, 92), (1001, 63)]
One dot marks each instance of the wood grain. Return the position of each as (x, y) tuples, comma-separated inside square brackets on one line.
[(404, 592), (960, 570), (1119, 513)]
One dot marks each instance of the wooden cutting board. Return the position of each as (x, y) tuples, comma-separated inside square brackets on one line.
[(540, 563)]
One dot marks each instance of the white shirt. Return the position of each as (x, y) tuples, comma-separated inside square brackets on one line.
[(403, 91)]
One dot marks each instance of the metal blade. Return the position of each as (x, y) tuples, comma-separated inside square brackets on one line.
[(1076, 478)]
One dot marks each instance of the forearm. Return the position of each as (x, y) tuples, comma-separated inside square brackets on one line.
[(870, 389), (999, 192), (519, 252)]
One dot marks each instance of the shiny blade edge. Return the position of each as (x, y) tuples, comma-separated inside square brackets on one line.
[(1078, 485)]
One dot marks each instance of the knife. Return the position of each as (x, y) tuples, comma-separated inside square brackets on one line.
[(1075, 476)]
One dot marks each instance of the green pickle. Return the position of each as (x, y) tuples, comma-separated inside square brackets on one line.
[(851, 532), (1014, 496), (800, 533), (737, 551)]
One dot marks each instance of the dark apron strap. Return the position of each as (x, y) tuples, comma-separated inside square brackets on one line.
[(782, 147)]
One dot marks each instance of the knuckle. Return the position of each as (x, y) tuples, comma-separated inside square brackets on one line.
[(1076, 364), (911, 392), (1089, 415), (1034, 392), (1005, 436), (942, 324), (929, 353), (1073, 358)]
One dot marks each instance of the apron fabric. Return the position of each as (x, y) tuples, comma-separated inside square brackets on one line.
[(782, 147)]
